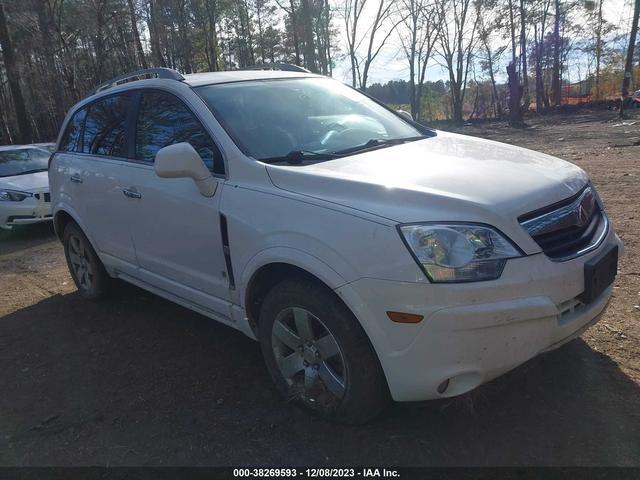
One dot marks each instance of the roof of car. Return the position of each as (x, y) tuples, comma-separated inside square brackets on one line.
[(197, 79), (132, 80)]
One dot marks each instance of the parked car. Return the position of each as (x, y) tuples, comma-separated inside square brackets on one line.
[(372, 257), (24, 186)]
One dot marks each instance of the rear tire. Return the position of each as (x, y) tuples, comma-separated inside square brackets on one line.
[(318, 355), (86, 269)]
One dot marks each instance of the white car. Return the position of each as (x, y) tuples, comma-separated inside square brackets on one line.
[(373, 258), (24, 186)]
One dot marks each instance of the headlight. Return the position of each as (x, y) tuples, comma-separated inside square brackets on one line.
[(13, 195), (459, 252)]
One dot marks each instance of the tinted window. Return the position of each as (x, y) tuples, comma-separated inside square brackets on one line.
[(164, 120), (22, 161), (71, 140), (104, 128)]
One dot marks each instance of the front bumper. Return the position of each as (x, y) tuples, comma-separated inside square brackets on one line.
[(474, 332), (30, 210)]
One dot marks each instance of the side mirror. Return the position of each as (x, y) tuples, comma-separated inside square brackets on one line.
[(405, 114), (181, 160)]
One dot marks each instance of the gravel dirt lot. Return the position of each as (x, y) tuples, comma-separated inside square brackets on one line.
[(137, 380)]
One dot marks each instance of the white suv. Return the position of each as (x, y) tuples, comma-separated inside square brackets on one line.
[(373, 258)]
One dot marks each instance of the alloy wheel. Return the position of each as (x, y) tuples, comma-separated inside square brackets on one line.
[(308, 357), (83, 270)]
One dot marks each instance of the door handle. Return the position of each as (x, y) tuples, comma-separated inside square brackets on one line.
[(75, 178), (131, 193)]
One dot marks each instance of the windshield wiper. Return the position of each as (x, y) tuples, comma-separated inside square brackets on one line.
[(375, 143), (296, 157)]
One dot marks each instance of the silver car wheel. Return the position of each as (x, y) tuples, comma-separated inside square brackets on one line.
[(83, 270), (308, 356)]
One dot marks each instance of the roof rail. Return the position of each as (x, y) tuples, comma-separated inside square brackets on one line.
[(285, 67), (159, 72)]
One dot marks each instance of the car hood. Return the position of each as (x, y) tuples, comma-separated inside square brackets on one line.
[(448, 177), (30, 182)]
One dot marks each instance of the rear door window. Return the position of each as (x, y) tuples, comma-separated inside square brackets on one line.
[(164, 120), (104, 129)]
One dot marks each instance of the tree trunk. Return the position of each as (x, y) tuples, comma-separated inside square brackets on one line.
[(186, 53), (263, 58), (136, 35), (412, 78), (13, 77), (309, 44), (294, 32), (351, 41), (598, 48), (539, 80), (48, 45), (556, 83), (154, 34), (512, 28), (515, 94), (523, 55), (327, 34), (457, 108), (211, 13), (5, 131), (628, 66), (497, 108)]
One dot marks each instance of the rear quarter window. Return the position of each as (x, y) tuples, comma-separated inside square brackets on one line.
[(72, 138)]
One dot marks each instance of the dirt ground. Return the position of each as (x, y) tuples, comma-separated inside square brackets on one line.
[(137, 380)]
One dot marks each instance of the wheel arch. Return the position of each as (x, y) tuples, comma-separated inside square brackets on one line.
[(267, 276), (60, 221), (61, 218)]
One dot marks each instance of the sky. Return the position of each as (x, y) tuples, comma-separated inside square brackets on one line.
[(392, 65)]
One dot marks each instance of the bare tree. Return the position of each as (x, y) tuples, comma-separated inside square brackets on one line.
[(380, 22), (352, 11), (418, 31), (374, 36), (457, 41)]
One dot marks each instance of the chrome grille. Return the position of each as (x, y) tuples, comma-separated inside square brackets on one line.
[(568, 228)]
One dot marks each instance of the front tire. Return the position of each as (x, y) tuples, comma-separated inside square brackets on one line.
[(88, 273), (318, 354)]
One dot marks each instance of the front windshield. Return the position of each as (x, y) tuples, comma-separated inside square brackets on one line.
[(271, 118), (22, 161)]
